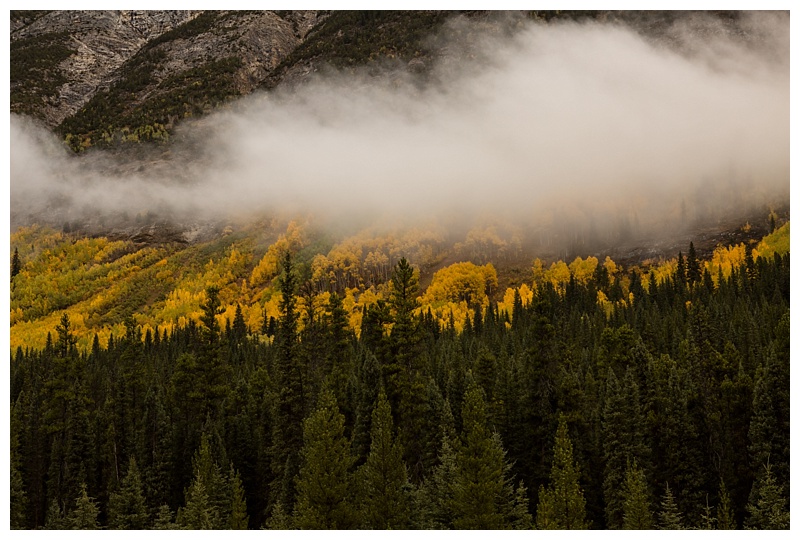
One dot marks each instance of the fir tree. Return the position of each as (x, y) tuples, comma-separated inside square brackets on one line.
[(725, 518), (163, 520), (84, 515), (693, 274), (669, 517), (636, 513), (383, 479), (768, 508), (19, 498), (482, 493), (434, 502), (198, 514), (562, 504), (16, 265), (324, 483), (287, 428), (126, 506), (238, 506)]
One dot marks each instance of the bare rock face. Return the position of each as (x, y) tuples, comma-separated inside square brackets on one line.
[(259, 40), (103, 41), (97, 45)]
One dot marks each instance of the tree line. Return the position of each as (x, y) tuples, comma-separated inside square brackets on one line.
[(669, 411)]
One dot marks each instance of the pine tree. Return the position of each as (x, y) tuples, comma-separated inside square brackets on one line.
[(680, 272), (383, 478), (16, 265), (693, 274), (287, 428), (669, 517), (623, 440), (215, 486), (324, 482), (84, 515), (768, 508), (164, 521), (480, 482), (126, 506), (562, 505), (238, 507), (198, 514), (434, 500), (55, 520), (636, 513), (725, 518), (239, 327), (19, 498)]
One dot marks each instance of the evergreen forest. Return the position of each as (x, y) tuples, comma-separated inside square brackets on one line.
[(618, 398)]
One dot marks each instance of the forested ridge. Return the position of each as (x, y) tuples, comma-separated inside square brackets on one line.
[(595, 397)]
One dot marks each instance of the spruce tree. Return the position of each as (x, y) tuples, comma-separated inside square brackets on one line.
[(725, 518), (163, 520), (126, 506), (693, 273), (198, 514), (680, 271), (669, 517), (18, 496), (16, 265), (623, 440), (239, 326), (435, 498), (636, 513), (84, 515), (324, 483), (768, 509), (382, 479), (287, 427), (562, 505), (237, 519), (483, 497)]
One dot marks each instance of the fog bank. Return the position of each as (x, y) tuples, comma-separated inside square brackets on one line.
[(563, 121)]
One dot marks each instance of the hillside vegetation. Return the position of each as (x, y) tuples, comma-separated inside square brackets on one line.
[(285, 380), (100, 283)]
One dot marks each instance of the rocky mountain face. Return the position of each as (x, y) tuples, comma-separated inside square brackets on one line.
[(66, 61), (98, 44)]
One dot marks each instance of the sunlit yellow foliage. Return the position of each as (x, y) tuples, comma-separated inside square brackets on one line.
[(583, 270), (725, 258), (605, 303), (526, 295), (16, 316), (558, 275), (777, 242), (268, 267), (611, 266), (459, 282)]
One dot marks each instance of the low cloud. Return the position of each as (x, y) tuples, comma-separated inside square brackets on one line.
[(562, 121)]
